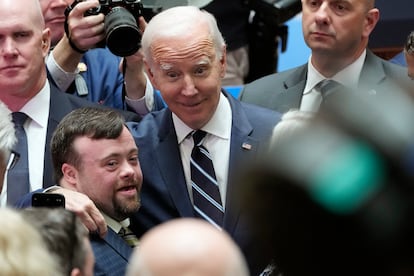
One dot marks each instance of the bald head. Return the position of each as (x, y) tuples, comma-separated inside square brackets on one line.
[(28, 9), (185, 247)]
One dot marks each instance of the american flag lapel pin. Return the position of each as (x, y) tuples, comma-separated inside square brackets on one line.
[(246, 146)]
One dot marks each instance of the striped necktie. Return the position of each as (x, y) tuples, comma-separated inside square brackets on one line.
[(18, 176), (206, 194), (128, 236)]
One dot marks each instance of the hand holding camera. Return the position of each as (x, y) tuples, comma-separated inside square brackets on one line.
[(84, 32), (119, 31)]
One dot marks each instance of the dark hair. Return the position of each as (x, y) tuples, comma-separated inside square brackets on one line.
[(93, 122), (63, 233), (409, 44)]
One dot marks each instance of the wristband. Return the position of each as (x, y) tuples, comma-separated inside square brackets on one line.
[(66, 27)]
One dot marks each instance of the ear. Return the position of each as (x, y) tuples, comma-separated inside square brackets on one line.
[(223, 62), (371, 21), (70, 175), (46, 40)]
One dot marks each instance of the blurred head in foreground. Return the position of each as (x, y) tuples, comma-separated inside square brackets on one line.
[(22, 249), (187, 246), (334, 194)]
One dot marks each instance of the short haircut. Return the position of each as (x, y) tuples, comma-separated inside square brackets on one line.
[(22, 250), (63, 233), (92, 122)]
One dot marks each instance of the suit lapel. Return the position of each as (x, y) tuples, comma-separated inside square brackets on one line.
[(294, 85), (59, 107), (372, 73), (170, 166), (118, 244), (242, 147)]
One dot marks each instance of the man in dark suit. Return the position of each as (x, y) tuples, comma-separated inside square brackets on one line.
[(185, 62), (24, 86), (337, 33), (95, 154)]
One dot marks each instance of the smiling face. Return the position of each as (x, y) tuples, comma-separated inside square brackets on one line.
[(338, 29), (188, 72), (109, 173)]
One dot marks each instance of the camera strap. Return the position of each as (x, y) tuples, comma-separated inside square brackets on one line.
[(66, 27)]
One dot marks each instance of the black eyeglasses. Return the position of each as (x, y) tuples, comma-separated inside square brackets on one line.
[(13, 159)]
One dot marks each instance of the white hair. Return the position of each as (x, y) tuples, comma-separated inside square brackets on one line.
[(178, 21), (7, 133)]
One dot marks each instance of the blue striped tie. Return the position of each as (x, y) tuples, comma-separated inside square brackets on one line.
[(206, 194)]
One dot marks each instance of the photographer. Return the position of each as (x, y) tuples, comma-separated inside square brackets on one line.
[(77, 66)]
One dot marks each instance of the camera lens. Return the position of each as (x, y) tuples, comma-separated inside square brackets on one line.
[(122, 33)]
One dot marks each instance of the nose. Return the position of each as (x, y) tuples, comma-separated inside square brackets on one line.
[(9, 47), (322, 14), (189, 86), (60, 3), (128, 169)]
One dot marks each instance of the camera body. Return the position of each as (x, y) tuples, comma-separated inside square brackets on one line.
[(122, 34)]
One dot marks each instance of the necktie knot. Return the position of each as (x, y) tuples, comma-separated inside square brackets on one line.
[(129, 237), (19, 118), (198, 137), (328, 87)]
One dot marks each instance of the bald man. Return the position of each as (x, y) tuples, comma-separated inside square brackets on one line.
[(187, 246)]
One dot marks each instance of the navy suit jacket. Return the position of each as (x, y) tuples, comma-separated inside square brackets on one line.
[(283, 91), (60, 105), (112, 254), (164, 192)]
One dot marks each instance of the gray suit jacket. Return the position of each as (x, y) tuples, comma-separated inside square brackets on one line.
[(283, 91)]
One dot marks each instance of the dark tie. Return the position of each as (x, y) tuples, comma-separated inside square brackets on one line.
[(206, 194), (18, 176), (329, 90), (128, 236)]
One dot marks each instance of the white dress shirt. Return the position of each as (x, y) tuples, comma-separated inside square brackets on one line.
[(64, 79), (349, 76), (115, 225), (217, 142), (35, 126)]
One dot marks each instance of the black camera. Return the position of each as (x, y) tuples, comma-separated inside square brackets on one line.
[(122, 34)]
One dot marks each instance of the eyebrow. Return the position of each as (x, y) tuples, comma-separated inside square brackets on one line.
[(168, 66)]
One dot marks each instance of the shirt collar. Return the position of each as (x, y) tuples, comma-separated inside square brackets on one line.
[(349, 76), (115, 225), (219, 124), (38, 107)]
